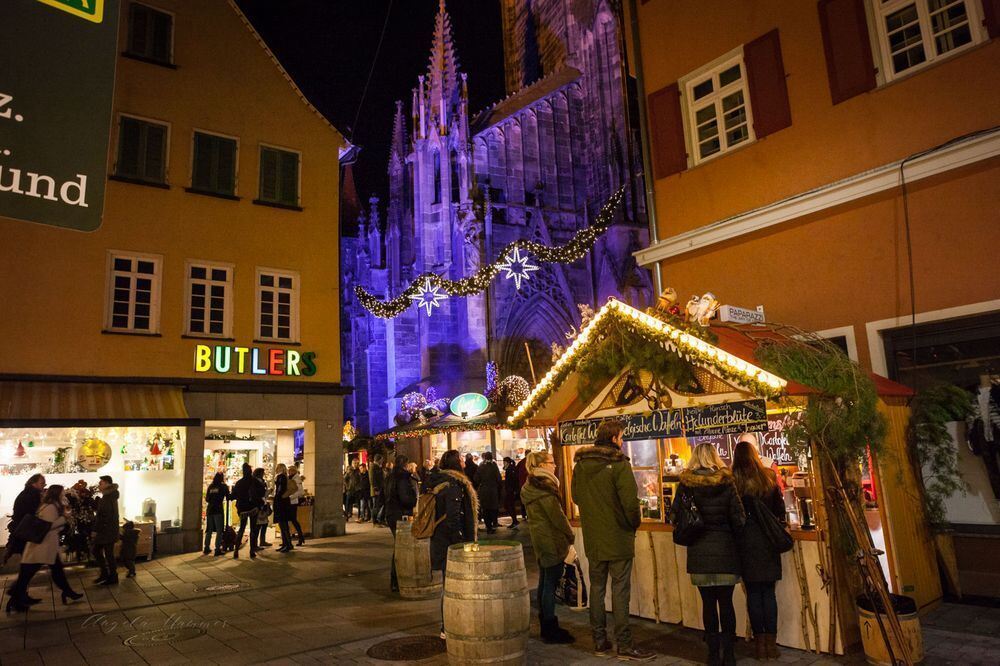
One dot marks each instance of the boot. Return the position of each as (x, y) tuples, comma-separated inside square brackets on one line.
[(554, 634), (759, 647), (712, 640), (729, 650), (771, 646)]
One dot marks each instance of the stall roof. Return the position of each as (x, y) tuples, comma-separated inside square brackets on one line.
[(444, 423), (734, 352)]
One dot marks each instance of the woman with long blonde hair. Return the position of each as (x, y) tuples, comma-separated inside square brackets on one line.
[(713, 559), (282, 507), (551, 538), (758, 488)]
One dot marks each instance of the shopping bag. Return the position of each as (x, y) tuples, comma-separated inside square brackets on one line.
[(571, 589)]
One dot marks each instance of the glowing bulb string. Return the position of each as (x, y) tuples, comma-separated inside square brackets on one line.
[(576, 248)]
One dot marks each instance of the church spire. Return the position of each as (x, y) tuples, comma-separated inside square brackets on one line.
[(398, 147), (442, 74)]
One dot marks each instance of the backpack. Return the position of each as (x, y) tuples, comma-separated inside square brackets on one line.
[(425, 519)]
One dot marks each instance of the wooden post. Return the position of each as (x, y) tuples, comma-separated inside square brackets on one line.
[(527, 352)]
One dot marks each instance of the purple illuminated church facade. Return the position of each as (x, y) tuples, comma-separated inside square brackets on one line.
[(539, 164)]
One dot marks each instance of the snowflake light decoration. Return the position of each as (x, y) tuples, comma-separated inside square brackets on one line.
[(517, 267), (429, 296)]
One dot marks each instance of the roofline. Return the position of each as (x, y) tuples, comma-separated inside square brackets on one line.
[(281, 69)]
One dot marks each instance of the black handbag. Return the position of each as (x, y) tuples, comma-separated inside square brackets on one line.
[(687, 521), (32, 528), (773, 530)]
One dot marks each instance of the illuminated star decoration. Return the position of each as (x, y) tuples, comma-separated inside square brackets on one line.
[(517, 267), (429, 296)]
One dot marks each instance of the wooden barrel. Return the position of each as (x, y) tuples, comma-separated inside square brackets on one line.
[(486, 604), (413, 565)]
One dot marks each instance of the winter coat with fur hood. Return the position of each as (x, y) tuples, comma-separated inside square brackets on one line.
[(716, 551), (604, 488), (458, 504)]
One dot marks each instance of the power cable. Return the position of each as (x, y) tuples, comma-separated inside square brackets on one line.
[(378, 49)]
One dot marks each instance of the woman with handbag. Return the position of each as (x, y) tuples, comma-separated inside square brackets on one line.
[(43, 551), (25, 504), (761, 557), (707, 497), (551, 539)]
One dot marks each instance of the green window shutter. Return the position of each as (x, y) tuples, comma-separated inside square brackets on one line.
[(138, 27), (225, 182), (201, 177), (129, 139), (268, 174), (155, 157), (161, 36), (289, 185)]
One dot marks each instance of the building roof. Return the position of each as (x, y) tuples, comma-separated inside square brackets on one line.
[(734, 354), (524, 98)]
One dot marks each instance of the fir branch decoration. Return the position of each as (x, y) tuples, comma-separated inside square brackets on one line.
[(843, 418), (933, 447)]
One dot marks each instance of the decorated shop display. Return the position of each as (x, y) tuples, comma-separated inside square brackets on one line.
[(156, 453), (429, 290), (93, 454)]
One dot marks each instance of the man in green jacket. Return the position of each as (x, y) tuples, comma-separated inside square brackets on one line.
[(605, 491)]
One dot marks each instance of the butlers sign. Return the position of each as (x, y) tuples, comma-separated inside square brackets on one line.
[(730, 417), (57, 81), (226, 360)]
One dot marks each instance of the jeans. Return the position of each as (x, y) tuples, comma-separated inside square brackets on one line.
[(293, 519), (548, 580), (621, 593), (378, 509), (27, 571), (247, 518), (286, 538), (762, 607), (364, 507), (258, 534), (492, 518), (104, 553), (214, 523), (510, 506), (717, 609)]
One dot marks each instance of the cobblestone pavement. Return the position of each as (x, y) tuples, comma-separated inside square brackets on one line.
[(329, 603)]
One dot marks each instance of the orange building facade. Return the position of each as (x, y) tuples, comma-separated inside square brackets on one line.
[(838, 162)]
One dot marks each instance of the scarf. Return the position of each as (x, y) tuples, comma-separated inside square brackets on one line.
[(544, 479)]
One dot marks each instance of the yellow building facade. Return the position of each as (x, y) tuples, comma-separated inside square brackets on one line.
[(836, 162), (205, 309)]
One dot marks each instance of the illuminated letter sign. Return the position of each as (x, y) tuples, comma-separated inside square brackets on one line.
[(469, 405), (226, 360)]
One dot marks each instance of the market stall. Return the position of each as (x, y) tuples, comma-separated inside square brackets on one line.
[(702, 384)]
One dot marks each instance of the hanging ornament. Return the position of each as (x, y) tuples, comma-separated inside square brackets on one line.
[(517, 267), (20, 452), (155, 449), (429, 296)]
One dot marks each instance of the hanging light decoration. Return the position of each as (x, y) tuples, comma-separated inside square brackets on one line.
[(517, 267)]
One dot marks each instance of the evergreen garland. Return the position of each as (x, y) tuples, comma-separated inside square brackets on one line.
[(933, 447)]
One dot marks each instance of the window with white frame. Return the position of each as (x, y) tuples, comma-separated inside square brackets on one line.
[(915, 33), (277, 305), (150, 34), (209, 299), (717, 103), (134, 293)]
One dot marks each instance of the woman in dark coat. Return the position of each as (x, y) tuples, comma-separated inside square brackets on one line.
[(511, 491), (400, 500), (282, 507), (471, 469), (758, 489), (25, 504), (364, 494), (488, 487), (457, 504), (713, 560)]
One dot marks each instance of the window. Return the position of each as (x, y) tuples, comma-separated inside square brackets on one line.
[(134, 293), (209, 299), (437, 177), (214, 169), (913, 33), (455, 178), (279, 176), (718, 108), (142, 150), (277, 305), (150, 34)]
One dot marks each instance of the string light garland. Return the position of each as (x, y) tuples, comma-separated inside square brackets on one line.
[(436, 288), (690, 347)]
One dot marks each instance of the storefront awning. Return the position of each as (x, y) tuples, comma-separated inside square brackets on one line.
[(56, 404)]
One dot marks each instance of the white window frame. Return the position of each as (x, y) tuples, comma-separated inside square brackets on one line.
[(154, 297), (236, 159), (298, 185), (686, 85), (847, 332), (152, 121), (227, 317), (877, 11), (173, 27), (295, 292)]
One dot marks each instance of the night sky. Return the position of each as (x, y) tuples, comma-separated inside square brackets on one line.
[(327, 46)]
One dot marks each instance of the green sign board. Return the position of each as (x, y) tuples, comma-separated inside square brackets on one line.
[(468, 405), (56, 89)]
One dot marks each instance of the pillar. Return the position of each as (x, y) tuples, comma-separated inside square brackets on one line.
[(324, 459), (194, 466)]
